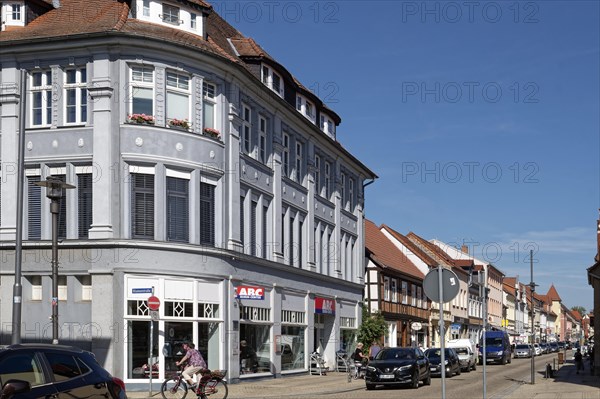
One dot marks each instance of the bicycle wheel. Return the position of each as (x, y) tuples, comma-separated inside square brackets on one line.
[(173, 389), (216, 389)]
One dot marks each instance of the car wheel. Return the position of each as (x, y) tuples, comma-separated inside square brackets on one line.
[(415, 380), (458, 371), (509, 359), (427, 380), (503, 361), (474, 366), (370, 387), (449, 373)]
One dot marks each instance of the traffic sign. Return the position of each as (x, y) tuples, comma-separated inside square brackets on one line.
[(153, 303), (450, 285)]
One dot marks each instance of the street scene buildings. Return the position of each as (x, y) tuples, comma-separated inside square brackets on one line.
[(207, 176)]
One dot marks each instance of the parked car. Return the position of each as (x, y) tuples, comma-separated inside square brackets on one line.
[(451, 361), (545, 348), (30, 371), (523, 350), (537, 349), (398, 366), (554, 346), (497, 348), (466, 351)]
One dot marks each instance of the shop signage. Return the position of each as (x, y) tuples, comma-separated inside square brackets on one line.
[(324, 305), (249, 292), (416, 326)]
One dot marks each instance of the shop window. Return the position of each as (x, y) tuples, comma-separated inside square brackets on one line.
[(138, 308), (255, 348), (179, 309), (290, 316), (138, 346), (349, 322), (208, 310), (292, 347)]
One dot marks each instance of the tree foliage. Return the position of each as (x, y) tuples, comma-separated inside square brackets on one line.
[(373, 327)]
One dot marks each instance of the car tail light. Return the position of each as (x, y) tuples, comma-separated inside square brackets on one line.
[(119, 382)]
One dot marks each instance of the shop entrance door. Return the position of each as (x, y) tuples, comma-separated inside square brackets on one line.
[(319, 334)]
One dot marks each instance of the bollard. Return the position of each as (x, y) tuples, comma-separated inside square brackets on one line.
[(549, 373)]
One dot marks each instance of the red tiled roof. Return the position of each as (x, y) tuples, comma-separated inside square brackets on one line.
[(576, 314), (386, 254), (411, 246), (553, 294), (439, 255), (511, 281)]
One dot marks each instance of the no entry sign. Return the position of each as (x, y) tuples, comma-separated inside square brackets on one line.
[(153, 303)]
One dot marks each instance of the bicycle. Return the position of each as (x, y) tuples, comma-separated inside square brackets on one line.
[(211, 384)]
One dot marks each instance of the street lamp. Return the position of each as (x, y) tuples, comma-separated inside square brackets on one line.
[(54, 191)]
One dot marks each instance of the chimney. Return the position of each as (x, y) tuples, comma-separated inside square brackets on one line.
[(465, 249)]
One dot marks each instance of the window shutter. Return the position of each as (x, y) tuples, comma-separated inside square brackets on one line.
[(142, 206), (34, 208), (177, 209), (84, 188), (207, 214)]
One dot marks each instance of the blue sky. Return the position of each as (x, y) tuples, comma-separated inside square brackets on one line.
[(481, 119)]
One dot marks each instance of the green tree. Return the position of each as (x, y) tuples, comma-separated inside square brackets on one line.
[(373, 327)]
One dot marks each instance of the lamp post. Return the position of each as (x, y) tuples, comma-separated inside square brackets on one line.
[(532, 286), (54, 191)]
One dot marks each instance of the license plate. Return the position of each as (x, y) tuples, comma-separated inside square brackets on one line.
[(387, 376), (433, 368)]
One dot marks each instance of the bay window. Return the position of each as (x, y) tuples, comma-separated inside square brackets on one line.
[(142, 90), (41, 98), (75, 95), (178, 96)]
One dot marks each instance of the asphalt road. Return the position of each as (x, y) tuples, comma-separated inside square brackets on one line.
[(501, 381)]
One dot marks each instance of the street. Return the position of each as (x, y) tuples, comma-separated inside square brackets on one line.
[(501, 382)]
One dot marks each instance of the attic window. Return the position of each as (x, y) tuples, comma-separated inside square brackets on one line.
[(272, 80), (170, 14), (16, 12)]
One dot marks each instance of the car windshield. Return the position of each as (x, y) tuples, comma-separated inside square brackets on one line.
[(434, 353), (522, 346), (493, 341), (397, 354), (461, 351)]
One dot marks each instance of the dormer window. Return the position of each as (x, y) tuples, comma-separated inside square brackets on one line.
[(305, 107), (13, 14), (146, 8), (327, 125), (170, 14), (272, 80), (193, 23)]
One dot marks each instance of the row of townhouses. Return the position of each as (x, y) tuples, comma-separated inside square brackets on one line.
[(204, 174), (395, 272)]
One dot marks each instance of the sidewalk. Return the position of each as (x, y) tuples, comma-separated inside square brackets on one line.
[(566, 384)]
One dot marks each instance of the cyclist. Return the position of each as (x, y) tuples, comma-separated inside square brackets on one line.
[(195, 363), (360, 359)]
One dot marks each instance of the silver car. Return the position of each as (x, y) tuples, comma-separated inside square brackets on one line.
[(523, 350)]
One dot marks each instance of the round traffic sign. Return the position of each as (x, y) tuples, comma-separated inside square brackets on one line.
[(450, 285), (153, 303)]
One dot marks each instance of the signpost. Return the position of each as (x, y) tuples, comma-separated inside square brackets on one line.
[(153, 305), (441, 285)]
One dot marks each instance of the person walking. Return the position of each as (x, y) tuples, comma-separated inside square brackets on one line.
[(578, 360), (374, 350)]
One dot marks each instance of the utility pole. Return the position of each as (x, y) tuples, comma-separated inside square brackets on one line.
[(532, 286)]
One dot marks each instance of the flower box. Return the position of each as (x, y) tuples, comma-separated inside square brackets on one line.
[(212, 133), (181, 124), (141, 119)]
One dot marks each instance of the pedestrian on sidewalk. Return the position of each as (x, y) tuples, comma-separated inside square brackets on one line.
[(578, 360)]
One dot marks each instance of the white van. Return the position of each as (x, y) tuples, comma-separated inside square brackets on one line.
[(466, 351)]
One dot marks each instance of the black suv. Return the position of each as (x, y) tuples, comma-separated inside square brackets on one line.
[(30, 371)]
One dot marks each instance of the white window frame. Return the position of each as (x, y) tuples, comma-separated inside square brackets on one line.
[(178, 87), (269, 77), (351, 194), (246, 130), (44, 91), (170, 14), (386, 288), (298, 170), (262, 139), (146, 82), (209, 95), (18, 9), (318, 174), (394, 289), (79, 86), (413, 299), (327, 183), (343, 189), (419, 297), (193, 21), (405, 293), (146, 8), (285, 156)]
